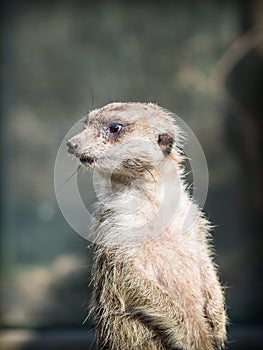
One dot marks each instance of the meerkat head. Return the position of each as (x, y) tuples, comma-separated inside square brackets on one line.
[(126, 138)]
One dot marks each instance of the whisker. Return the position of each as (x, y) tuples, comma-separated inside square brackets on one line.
[(70, 177)]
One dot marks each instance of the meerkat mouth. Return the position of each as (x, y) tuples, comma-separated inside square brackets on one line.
[(86, 160)]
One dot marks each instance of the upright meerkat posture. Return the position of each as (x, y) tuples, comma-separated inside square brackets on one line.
[(155, 285)]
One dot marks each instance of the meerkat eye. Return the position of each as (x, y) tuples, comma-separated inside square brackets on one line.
[(115, 128)]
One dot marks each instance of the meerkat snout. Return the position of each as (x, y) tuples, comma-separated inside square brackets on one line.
[(72, 145)]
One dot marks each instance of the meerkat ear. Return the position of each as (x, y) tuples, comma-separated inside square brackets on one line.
[(166, 141)]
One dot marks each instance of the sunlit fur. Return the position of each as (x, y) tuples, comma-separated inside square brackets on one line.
[(155, 283)]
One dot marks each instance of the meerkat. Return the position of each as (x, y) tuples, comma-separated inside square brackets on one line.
[(155, 285)]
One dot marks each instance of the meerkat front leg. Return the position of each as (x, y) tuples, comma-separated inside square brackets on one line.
[(214, 308), (168, 320)]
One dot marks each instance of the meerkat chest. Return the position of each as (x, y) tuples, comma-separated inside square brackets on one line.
[(171, 265)]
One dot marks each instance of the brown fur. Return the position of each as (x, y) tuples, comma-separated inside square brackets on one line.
[(162, 293)]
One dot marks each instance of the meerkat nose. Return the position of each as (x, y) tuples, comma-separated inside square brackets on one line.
[(73, 145)]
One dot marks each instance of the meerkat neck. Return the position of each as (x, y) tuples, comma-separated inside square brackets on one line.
[(140, 208), (148, 181)]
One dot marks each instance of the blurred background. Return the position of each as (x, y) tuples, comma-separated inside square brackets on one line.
[(200, 59)]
